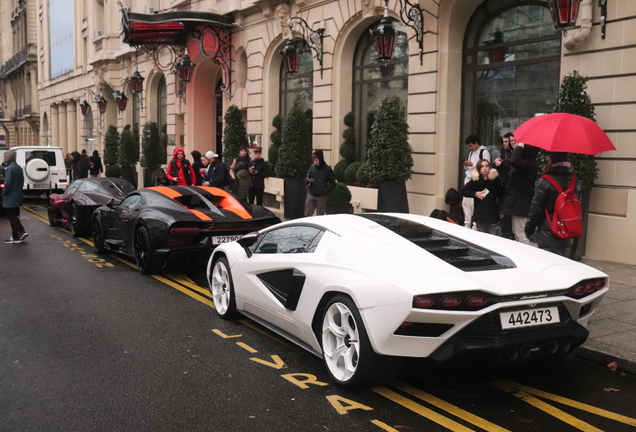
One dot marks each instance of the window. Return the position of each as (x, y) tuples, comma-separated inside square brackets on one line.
[(131, 202), (373, 81), (294, 239), (162, 105), (297, 90), (61, 37), (511, 69), (47, 156)]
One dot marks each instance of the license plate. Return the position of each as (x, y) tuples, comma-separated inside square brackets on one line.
[(529, 317), (40, 185), (225, 239)]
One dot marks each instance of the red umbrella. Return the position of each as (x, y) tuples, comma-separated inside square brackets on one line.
[(562, 132)]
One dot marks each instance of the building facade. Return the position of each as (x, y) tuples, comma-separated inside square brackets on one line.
[(19, 104), (485, 67)]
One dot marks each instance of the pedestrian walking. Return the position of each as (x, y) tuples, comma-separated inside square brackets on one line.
[(180, 171), (320, 181), (259, 170), (12, 196), (503, 167), (477, 152), (95, 165), (80, 166)]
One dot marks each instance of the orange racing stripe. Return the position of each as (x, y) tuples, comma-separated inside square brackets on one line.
[(171, 193), (227, 201)]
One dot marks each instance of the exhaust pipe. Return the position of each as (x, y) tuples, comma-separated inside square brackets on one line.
[(512, 353), (553, 347), (565, 345), (525, 351)]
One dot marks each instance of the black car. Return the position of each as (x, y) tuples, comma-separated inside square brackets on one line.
[(74, 208), (180, 224)]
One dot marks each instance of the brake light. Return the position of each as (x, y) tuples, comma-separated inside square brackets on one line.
[(476, 300), (186, 231), (587, 287), (600, 284), (450, 301), (423, 301)]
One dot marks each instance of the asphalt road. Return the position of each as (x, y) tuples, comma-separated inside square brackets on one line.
[(89, 344)]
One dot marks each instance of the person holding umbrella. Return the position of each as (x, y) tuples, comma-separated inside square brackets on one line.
[(545, 196)]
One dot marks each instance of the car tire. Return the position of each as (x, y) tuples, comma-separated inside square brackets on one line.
[(72, 221), (98, 236), (347, 352), (222, 289), (142, 251), (49, 211)]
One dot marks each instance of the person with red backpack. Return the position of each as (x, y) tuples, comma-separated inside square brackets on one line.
[(555, 209)]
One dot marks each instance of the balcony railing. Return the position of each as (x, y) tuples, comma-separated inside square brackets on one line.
[(24, 55)]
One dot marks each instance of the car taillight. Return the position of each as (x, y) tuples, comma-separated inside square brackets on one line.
[(476, 300), (450, 301), (189, 230), (423, 301), (587, 287)]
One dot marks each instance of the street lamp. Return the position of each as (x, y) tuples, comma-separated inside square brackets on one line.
[(385, 35), (564, 13), (184, 68), (291, 54), (136, 83), (121, 100), (102, 104), (84, 106)]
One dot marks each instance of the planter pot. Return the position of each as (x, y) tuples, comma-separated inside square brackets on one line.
[(340, 208), (392, 197), (129, 173), (295, 194)]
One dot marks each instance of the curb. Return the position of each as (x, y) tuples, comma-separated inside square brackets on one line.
[(604, 359)]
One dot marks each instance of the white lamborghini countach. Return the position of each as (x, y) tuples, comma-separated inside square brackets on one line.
[(365, 291)]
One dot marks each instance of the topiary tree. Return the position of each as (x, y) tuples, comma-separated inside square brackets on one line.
[(339, 170), (389, 153), (164, 144), (351, 173), (362, 176), (573, 99), (348, 147), (128, 148), (275, 138), (234, 134), (152, 152), (339, 197), (111, 146), (294, 155)]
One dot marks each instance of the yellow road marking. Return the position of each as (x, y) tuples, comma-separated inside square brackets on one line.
[(278, 363), (185, 281), (512, 386), (421, 410), (185, 290), (450, 408), (223, 335), (384, 426), (247, 347)]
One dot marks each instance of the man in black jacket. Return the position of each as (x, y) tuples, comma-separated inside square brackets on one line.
[(216, 174), (95, 166), (320, 181), (259, 171)]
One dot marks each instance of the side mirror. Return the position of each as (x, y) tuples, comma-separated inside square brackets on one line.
[(248, 241), (112, 203)]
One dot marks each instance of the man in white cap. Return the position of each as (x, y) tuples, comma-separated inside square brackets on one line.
[(217, 174)]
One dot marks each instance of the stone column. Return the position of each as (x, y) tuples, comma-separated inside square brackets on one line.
[(63, 134), (55, 127), (71, 124)]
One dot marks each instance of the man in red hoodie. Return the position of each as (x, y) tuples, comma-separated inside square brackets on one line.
[(180, 171)]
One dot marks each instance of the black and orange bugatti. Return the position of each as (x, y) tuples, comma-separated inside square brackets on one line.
[(174, 224)]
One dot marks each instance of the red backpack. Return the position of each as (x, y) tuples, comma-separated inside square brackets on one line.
[(567, 220)]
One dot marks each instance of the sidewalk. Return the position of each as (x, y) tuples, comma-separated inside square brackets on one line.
[(613, 325)]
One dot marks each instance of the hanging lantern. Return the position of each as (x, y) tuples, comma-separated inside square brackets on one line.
[(84, 106), (121, 100), (102, 104), (564, 13), (136, 82), (184, 69), (385, 37), (291, 56)]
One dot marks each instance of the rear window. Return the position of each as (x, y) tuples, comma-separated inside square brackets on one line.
[(45, 155)]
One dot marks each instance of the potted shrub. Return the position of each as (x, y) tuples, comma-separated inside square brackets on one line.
[(294, 159), (152, 151), (389, 158), (128, 155), (339, 199), (111, 150), (234, 134), (351, 173), (275, 138)]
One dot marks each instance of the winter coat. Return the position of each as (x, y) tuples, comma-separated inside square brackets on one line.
[(197, 166), (487, 209), (521, 180), (13, 186), (504, 168), (217, 174), (259, 171), (97, 167), (180, 172), (545, 196), (324, 178), (454, 200), (242, 184), (80, 166)]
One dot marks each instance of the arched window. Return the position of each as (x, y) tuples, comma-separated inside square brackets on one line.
[(162, 104), (373, 81), (511, 67), (298, 89)]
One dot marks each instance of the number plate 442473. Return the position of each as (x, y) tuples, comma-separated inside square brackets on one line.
[(529, 317)]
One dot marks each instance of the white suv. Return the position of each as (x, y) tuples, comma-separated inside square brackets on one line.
[(43, 166)]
